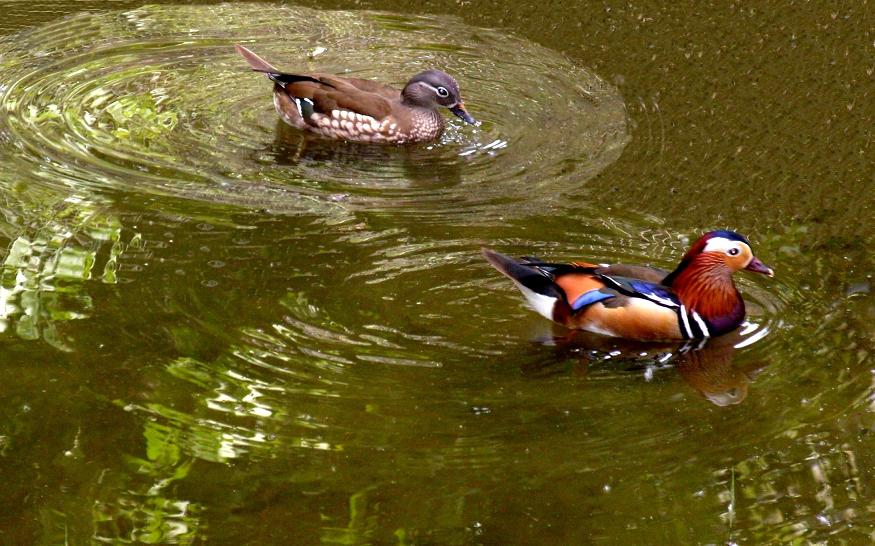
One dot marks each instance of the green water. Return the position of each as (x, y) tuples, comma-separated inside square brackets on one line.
[(216, 329)]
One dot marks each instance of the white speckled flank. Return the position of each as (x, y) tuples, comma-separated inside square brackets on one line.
[(420, 126)]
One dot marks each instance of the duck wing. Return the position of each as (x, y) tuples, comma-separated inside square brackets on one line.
[(329, 93), (591, 297), (325, 93)]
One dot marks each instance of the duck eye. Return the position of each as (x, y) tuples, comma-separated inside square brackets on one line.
[(442, 92), (733, 251)]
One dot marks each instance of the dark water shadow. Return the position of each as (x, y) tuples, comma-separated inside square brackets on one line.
[(417, 166), (707, 366)]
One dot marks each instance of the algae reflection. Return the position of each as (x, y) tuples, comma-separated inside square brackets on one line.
[(62, 244)]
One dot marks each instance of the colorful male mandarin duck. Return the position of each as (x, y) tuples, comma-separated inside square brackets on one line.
[(697, 300), (363, 110)]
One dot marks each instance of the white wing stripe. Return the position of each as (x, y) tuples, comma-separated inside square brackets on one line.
[(702, 325), (660, 301), (685, 322)]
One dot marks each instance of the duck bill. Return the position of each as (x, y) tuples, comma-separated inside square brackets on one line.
[(757, 266), (459, 110)]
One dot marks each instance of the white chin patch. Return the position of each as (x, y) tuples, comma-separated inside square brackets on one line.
[(539, 302)]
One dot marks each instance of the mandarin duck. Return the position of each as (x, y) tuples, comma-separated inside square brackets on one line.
[(363, 110), (695, 301)]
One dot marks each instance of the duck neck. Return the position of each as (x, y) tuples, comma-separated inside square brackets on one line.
[(705, 286), (428, 124)]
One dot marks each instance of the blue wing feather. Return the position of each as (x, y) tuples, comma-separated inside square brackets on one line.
[(589, 298), (654, 292)]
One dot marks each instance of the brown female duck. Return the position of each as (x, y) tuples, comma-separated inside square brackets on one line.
[(363, 110)]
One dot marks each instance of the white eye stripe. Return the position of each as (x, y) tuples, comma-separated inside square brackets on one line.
[(722, 244), (440, 90)]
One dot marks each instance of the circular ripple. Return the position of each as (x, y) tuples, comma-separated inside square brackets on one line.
[(156, 100)]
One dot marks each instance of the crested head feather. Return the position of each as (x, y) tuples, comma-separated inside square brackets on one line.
[(726, 234), (702, 242)]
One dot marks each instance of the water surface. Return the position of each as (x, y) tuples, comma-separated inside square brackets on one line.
[(215, 328)]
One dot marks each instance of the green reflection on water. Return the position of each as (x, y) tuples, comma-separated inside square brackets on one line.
[(151, 514), (361, 525), (42, 272), (138, 118)]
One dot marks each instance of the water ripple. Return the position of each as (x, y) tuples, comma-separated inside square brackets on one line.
[(155, 100)]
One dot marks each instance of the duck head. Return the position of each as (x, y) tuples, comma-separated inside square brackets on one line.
[(719, 253), (433, 88), (703, 279)]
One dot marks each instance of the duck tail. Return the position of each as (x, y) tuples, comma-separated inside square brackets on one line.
[(255, 62), (538, 286), (282, 79)]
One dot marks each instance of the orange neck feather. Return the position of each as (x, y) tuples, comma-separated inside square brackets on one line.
[(704, 284)]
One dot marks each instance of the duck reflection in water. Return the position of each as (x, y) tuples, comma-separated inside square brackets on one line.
[(418, 166), (705, 365)]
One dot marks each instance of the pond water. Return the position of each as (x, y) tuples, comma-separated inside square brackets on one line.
[(216, 329)]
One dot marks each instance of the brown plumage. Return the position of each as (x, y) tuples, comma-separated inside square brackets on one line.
[(363, 110), (623, 317)]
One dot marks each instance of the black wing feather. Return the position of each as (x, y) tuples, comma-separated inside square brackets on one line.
[(284, 78)]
